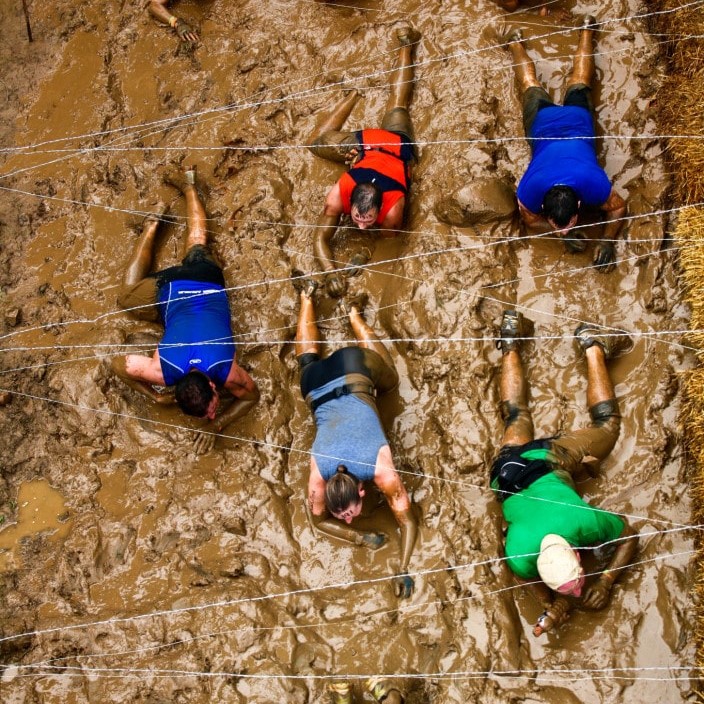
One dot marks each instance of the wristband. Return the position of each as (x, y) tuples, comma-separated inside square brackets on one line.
[(173, 20), (611, 578)]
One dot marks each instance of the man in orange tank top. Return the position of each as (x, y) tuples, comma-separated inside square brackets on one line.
[(374, 191)]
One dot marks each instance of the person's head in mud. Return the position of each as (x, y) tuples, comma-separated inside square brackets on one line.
[(564, 175), (560, 566), (350, 447), (365, 205), (344, 495), (197, 353), (542, 545), (561, 208), (374, 191), (196, 395)]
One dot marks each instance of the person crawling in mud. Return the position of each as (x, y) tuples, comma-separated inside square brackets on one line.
[(374, 190), (159, 10), (533, 480), (196, 354), (564, 177), (350, 447)]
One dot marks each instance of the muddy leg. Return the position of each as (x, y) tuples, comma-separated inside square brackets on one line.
[(143, 254), (523, 65), (583, 65), (367, 337), (307, 333), (599, 385), (328, 141), (587, 446), (403, 76), (195, 213), (334, 120), (518, 423)]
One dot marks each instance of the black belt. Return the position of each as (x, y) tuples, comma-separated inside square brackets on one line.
[(344, 390)]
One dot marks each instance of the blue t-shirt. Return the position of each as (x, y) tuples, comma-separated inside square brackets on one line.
[(563, 162), (197, 331), (348, 431)]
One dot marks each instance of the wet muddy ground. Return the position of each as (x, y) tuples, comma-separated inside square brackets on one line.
[(201, 575)]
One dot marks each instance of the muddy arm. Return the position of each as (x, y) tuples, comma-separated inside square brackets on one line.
[(557, 608), (327, 226), (246, 394), (335, 529), (158, 10), (138, 382), (597, 595), (531, 220), (321, 521), (614, 209), (393, 222), (389, 482)]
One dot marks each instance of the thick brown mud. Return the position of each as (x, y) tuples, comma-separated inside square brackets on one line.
[(181, 560)]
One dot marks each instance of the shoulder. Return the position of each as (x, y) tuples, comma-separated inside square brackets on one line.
[(394, 218), (238, 379), (333, 200), (144, 368)]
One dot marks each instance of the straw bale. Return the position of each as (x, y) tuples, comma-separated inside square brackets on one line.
[(678, 32), (680, 112), (680, 103)]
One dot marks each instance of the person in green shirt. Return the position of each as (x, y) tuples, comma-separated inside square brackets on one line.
[(533, 480)]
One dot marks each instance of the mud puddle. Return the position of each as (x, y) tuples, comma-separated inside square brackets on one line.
[(156, 528)]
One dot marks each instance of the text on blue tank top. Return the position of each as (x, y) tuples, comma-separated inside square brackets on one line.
[(197, 331)]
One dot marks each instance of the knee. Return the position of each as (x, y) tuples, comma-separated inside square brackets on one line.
[(510, 413), (605, 412), (316, 145)]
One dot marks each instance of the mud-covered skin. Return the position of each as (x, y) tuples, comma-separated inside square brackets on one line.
[(153, 528)]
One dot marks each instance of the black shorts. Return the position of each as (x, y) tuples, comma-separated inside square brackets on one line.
[(197, 265)]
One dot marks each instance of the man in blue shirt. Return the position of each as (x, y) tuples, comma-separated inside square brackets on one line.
[(564, 175), (196, 354)]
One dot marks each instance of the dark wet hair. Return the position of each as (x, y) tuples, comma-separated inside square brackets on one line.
[(341, 491), (560, 205), (365, 197), (194, 394)]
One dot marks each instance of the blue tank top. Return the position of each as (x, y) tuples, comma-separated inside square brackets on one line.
[(348, 432), (563, 162), (197, 331)]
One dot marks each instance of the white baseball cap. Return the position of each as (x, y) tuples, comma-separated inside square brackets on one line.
[(558, 562)]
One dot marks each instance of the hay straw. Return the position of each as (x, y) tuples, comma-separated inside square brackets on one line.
[(679, 106)]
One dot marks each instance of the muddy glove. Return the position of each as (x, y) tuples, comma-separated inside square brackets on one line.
[(403, 585), (597, 595), (552, 617), (185, 32), (373, 540), (352, 156), (205, 441), (335, 284), (575, 241), (605, 257)]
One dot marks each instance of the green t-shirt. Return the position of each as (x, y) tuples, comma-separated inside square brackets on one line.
[(529, 521)]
